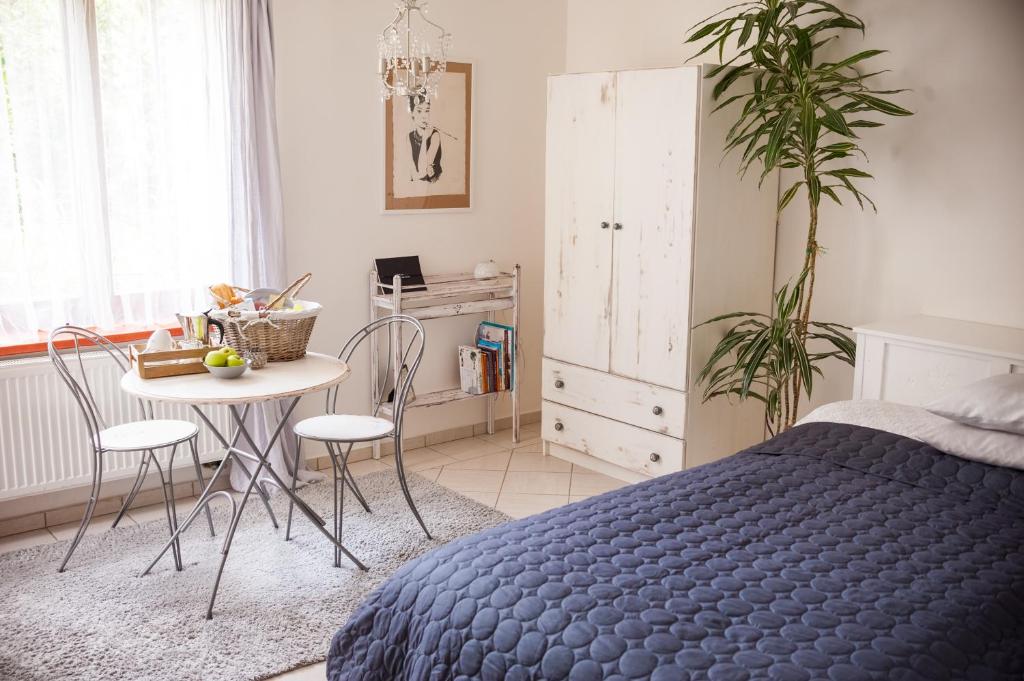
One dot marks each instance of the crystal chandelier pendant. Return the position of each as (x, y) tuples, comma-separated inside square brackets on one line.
[(412, 53)]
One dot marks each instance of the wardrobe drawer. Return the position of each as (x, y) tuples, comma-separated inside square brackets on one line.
[(621, 444), (641, 404)]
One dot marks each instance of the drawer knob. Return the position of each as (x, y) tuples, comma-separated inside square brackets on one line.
[(655, 457), (658, 411), (559, 426), (617, 225), (605, 225), (559, 383)]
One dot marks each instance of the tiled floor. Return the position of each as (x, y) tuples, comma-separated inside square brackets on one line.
[(517, 479)]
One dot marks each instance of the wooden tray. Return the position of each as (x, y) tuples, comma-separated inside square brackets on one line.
[(168, 362)]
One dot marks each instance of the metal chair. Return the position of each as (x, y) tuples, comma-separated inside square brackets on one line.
[(146, 435), (335, 430)]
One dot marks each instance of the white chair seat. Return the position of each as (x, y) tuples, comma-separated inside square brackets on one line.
[(344, 428), (143, 435)]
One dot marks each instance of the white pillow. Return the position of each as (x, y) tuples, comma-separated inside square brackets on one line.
[(995, 403), (899, 419), (975, 444)]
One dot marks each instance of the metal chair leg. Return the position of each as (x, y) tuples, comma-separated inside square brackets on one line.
[(171, 520), (97, 477), (350, 480), (207, 495), (339, 504), (405, 486), (173, 503), (128, 500), (295, 478), (202, 481)]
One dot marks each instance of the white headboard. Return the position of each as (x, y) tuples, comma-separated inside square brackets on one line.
[(916, 359)]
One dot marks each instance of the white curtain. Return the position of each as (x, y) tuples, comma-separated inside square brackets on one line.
[(138, 165), (257, 217), (114, 192)]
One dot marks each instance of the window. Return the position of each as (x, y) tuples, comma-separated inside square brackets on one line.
[(115, 183)]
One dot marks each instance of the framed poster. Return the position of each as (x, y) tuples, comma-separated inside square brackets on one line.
[(428, 146)]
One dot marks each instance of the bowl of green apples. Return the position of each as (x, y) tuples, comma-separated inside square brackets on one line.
[(225, 363)]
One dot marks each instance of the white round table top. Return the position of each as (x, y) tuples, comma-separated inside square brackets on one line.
[(277, 380)]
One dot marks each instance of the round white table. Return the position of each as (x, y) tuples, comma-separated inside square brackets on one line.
[(277, 381)]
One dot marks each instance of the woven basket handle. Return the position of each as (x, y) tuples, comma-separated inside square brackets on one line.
[(292, 290)]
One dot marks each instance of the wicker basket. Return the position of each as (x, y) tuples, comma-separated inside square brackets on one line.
[(282, 334)]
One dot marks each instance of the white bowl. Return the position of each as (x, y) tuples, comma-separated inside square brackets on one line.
[(228, 372)]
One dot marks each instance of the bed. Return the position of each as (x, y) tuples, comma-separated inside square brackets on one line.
[(834, 551)]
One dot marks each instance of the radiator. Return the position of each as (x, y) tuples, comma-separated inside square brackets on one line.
[(43, 439)]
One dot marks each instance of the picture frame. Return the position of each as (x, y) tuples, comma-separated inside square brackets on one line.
[(428, 147)]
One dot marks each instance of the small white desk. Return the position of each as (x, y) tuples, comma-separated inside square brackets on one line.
[(277, 381)]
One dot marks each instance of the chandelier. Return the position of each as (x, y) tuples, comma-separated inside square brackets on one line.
[(412, 54)]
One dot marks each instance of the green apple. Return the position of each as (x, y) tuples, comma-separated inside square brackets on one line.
[(235, 361), (215, 358), (229, 351)]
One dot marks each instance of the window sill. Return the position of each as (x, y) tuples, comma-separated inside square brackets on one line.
[(121, 334)]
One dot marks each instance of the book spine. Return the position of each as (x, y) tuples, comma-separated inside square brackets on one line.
[(484, 372), (507, 358), (492, 369), (498, 349), (495, 377), (501, 338)]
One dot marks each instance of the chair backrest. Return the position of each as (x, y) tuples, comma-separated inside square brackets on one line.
[(76, 377), (409, 352)]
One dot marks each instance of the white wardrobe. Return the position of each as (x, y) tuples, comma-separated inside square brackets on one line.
[(649, 232)]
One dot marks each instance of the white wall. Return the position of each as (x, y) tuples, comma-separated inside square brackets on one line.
[(948, 238), (330, 127)]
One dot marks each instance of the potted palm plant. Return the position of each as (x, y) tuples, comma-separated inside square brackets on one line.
[(802, 113)]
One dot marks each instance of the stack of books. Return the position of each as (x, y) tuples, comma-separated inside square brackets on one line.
[(488, 366)]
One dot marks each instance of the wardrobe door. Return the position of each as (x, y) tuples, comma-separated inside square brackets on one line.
[(578, 237), (655, 161)]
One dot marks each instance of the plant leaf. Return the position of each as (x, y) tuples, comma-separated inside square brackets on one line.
[(881, 105), (788, 196), (834, 121), (853, 59)]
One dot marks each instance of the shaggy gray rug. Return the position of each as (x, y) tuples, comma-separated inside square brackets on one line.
[(278, 606)]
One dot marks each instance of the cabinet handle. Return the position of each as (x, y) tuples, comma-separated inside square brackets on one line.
[(618, 225), (658, 411), (559, 426), (655, 457), (559, 383), (605, 225)]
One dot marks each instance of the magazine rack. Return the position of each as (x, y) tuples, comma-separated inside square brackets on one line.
[(445, 295)]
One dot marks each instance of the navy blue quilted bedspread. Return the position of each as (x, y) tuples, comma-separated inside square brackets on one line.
[(830, 552)]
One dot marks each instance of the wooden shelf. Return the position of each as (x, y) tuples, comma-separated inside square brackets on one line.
[(455, 309), (450, 295), (445, 295), (437, 398)]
